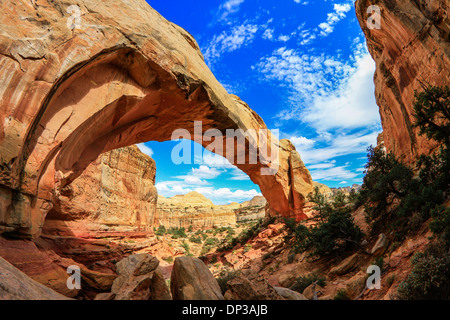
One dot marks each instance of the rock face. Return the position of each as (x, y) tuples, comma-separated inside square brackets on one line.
[(191, 280), (251, 286), (193, 209), (72, 91), (116, 189), (15, 285), (411, 47), (139, 279), (251, 210)]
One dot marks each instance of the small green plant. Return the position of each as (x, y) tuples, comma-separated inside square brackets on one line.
[(214, 259), (291, 258), (169, 259), (161, 231), (430, 276), (341, 294), (303, 282), (197, 240), (379, 262)]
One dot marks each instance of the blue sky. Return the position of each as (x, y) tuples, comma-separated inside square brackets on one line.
[(302, 65)]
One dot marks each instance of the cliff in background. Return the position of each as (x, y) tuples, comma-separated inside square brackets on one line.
[(412, 47)]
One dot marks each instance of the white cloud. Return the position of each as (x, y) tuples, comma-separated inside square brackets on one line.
[(144, 149), (205, 172), (340, 145), (233, 40), (325, 92), (340, 12), (351, 105), (268, 34), (283, 38), (229, 7), (334, 173)]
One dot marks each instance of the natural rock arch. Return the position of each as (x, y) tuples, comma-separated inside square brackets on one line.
[(69, 96)]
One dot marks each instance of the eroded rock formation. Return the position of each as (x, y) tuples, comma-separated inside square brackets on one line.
[(192, 280), (15, 285), (117, 189), (193, 209), (70, 94), (412, 47)]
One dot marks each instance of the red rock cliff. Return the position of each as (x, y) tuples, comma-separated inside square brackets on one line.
[(412, 46)]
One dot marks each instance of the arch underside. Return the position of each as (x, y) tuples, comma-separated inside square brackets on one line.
[(121, 90)]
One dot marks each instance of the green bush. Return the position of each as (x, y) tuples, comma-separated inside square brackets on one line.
[(177, 233), (195, 239), (336, 235), (342, 295), (303, 282), (161, 231), (430, 276)]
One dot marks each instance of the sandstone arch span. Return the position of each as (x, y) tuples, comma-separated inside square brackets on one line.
[(70, 95)]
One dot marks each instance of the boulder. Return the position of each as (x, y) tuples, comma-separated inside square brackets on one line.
[(380, 246), (356, 284), (192, 280), (309, 291), (289, 294), (139, 279), (347, 265), (286, 279), (251, 286), (16, 285)]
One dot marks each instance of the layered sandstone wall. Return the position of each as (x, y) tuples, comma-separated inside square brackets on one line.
[(116, 189), (193, 209), (412, 47)]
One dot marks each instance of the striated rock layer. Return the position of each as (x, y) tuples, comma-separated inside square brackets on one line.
[(68, 95), (116, 189), (193, 209), (412, 47)]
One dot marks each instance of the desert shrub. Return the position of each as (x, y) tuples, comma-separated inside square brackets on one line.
[(339, 199), (341, 294), (247, 234), (177, 232), (161, 231), (195, 240), (303, 282), (430, 276), (335, 233), (169, 259), (210, 241), (379, 262), (336, 236), (291, 258)]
